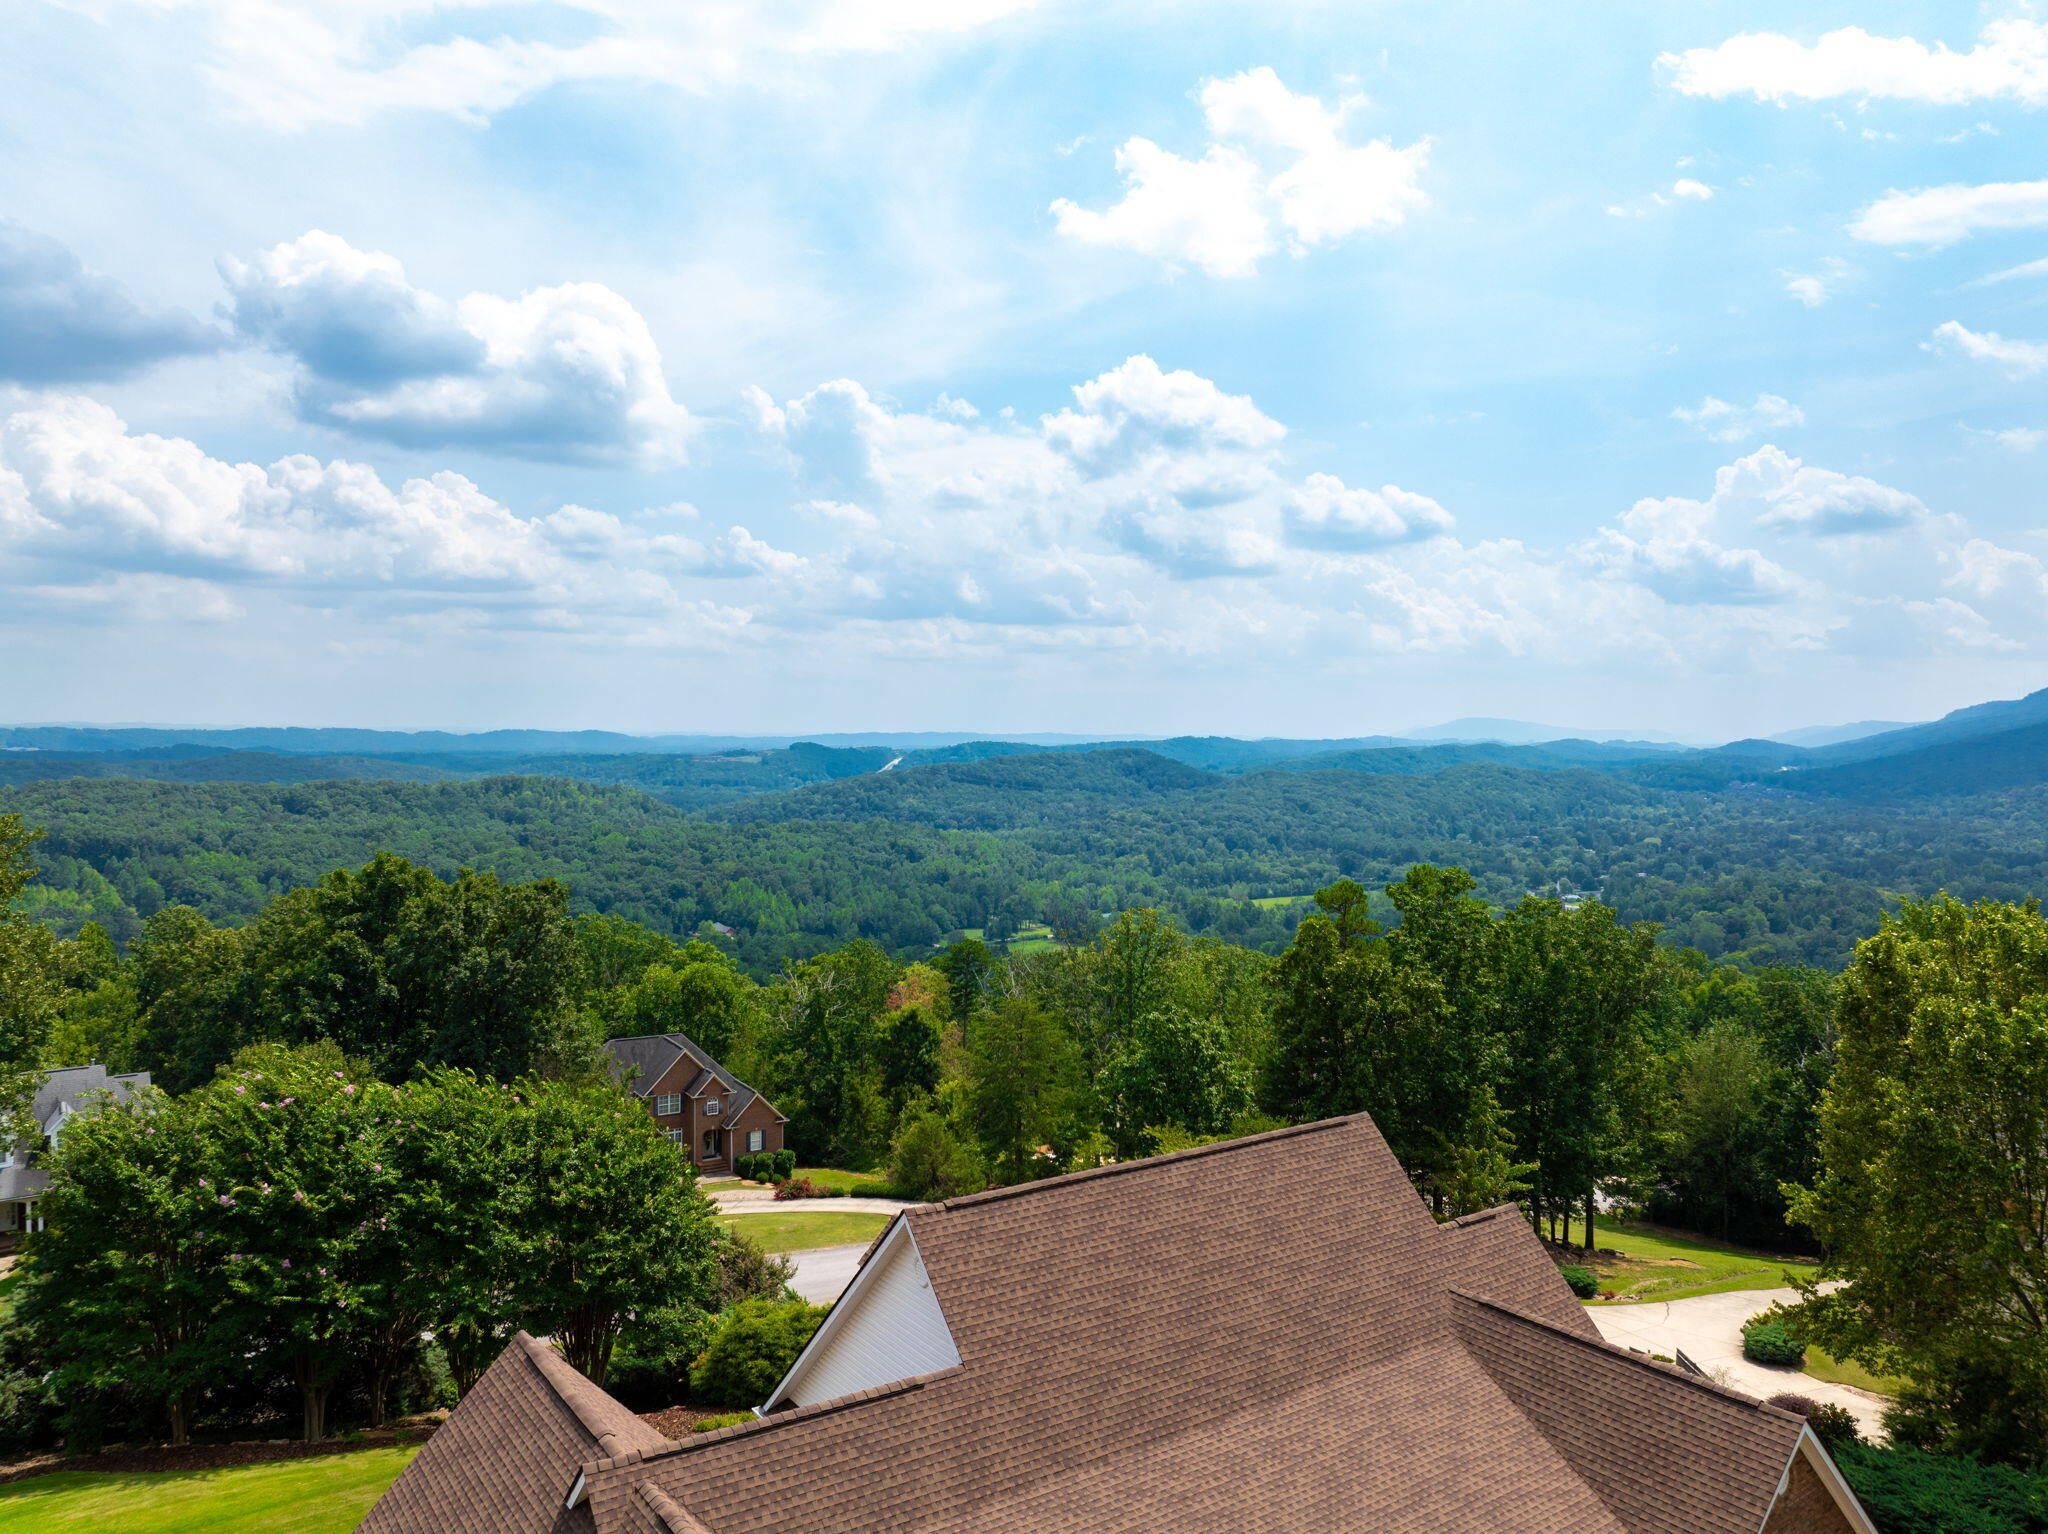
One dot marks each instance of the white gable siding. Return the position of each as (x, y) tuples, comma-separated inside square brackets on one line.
[(886, 1328)]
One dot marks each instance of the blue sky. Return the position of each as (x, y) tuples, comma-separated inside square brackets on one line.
[(1309, 370)]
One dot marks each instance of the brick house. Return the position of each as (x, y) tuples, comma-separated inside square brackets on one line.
[(1210, 1342), (699, 1103)]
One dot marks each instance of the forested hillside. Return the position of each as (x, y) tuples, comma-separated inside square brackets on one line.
[(910, 856)]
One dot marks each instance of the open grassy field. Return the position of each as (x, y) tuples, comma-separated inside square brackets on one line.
[(784, 1229), (1663, 1265), (1268, 902), (324, 1495)]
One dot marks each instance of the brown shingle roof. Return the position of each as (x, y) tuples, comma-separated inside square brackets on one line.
[(506, 1460), (1266, 1335)]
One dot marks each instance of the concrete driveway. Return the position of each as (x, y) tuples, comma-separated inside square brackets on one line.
[(1709, 1329), (823, 1273), (763, 1201)]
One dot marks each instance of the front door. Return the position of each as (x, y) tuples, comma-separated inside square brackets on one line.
[(714, 1145)]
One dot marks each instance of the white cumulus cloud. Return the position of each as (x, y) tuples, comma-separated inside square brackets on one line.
[(2009, 62), (1278, 168), (566, 373)]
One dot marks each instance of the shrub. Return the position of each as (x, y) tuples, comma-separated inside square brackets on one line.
[(723, 1419), (1909, 1491), (1834, 1425), (930, 1162), (1804, 1406), (753, 1347), (650, 1365), (748, 1167), (783, 1164), (1768, 1342), (745, 1272), (798, 1187), (1584, 1282)]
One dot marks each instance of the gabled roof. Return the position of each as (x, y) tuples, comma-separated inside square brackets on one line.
[(69, 1090), (509, 1458), (1266, 1335), (644, 1059)]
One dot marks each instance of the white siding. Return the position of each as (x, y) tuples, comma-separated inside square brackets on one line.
[(886, 1328)]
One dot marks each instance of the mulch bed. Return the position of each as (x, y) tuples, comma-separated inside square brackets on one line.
[(202, 1456), (679, 1421)]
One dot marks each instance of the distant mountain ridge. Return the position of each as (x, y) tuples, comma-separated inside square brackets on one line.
[(1520, 732)]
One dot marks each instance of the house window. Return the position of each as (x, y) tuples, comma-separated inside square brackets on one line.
[(713, 1107), (757, 1140), (668, 1102), (680, 1136)]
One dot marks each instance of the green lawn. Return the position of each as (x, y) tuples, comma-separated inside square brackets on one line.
[(799, 1230), (1663, 1266), (856, 1184), (327, 1494), (1268, 902), (1823, 1366)]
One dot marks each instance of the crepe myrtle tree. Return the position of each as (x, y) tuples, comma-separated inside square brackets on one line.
[(121, 1290), (609, 1221), (298, 1163)]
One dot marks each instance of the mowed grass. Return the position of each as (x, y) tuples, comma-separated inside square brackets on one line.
[(802, 1230), (1662, 1265), (1824, 1366), (326, 1494), (1268, 902)]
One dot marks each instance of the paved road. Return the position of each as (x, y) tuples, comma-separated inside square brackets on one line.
[(1709, 1329), (823, 1273)]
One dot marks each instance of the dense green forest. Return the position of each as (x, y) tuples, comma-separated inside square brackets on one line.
[(908, 858)]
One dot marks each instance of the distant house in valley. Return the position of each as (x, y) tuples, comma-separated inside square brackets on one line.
[(699, 1103), (62, 1095), (1262, 1336)]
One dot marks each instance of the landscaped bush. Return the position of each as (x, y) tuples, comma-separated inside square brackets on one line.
[(798, 1187), (1834, 1425), (650, 1365), (1769, 1342), (1804, 1406), (1584, 1282), (748, 1167), (752, 1349), (783, 1164), (1909, 1491)]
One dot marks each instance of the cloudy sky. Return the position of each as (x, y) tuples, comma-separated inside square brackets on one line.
[(997, 365)]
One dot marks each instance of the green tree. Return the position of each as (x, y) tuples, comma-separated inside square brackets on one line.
[(698, 991), (929, 1161), (971, 973), (826, 1072), (908, 1053), (1932, 1199), (611, 1225), (1717, 1127), (1174, 1070), (1577, 1001), (30, 962), (121, 1290), (1023, 1086), (190, 996)]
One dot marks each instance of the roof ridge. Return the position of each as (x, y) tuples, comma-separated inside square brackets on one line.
[(1642, 1360), (1142, 1164), (679, 1519), (586, 1400)]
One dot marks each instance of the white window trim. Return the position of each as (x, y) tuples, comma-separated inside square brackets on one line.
[(675, 1098), (757, 1142), (713, 1108)]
